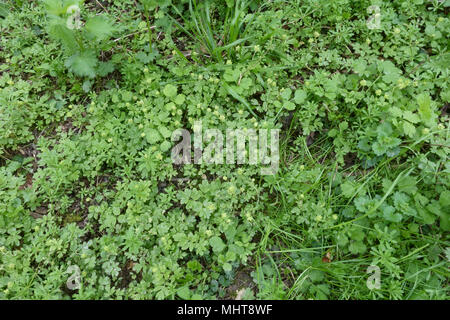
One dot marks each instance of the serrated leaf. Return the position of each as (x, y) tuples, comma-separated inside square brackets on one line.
[(99, 27), (411, 117), (286, 94), (152, 135), (87, 86), (360, 66), (444, 199), (166, 133), (194, 265), (4, 10), (165, 146), (289, 106), (391, 72), (82, 64), (64, 35), (409, 129), (143, 57), (170, 91), (246, 83), (379, 149), (300, 96), (390, 214), (217, 244), (357, 247), (396, 112), (407, 184), (227, 267), (231, 75), (384, 129), (348, 189), (105, 68), (424, 102), (179, 100)]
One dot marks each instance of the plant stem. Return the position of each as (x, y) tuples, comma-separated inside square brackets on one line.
[(147, 18), (79, 41)]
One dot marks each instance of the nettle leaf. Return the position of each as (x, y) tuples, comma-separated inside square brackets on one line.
[(105, 68), (82, 64), (99, 27), (64, 35)]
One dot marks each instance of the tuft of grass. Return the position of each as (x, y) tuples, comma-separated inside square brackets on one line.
[(210, 39)]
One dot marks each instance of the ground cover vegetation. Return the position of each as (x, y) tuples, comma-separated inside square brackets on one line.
[(91, 91)]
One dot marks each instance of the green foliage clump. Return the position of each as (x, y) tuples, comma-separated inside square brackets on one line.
[(86, 177), (82, 43)]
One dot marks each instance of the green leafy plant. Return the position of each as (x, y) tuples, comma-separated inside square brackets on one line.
[(87, 182), (82, 43)]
